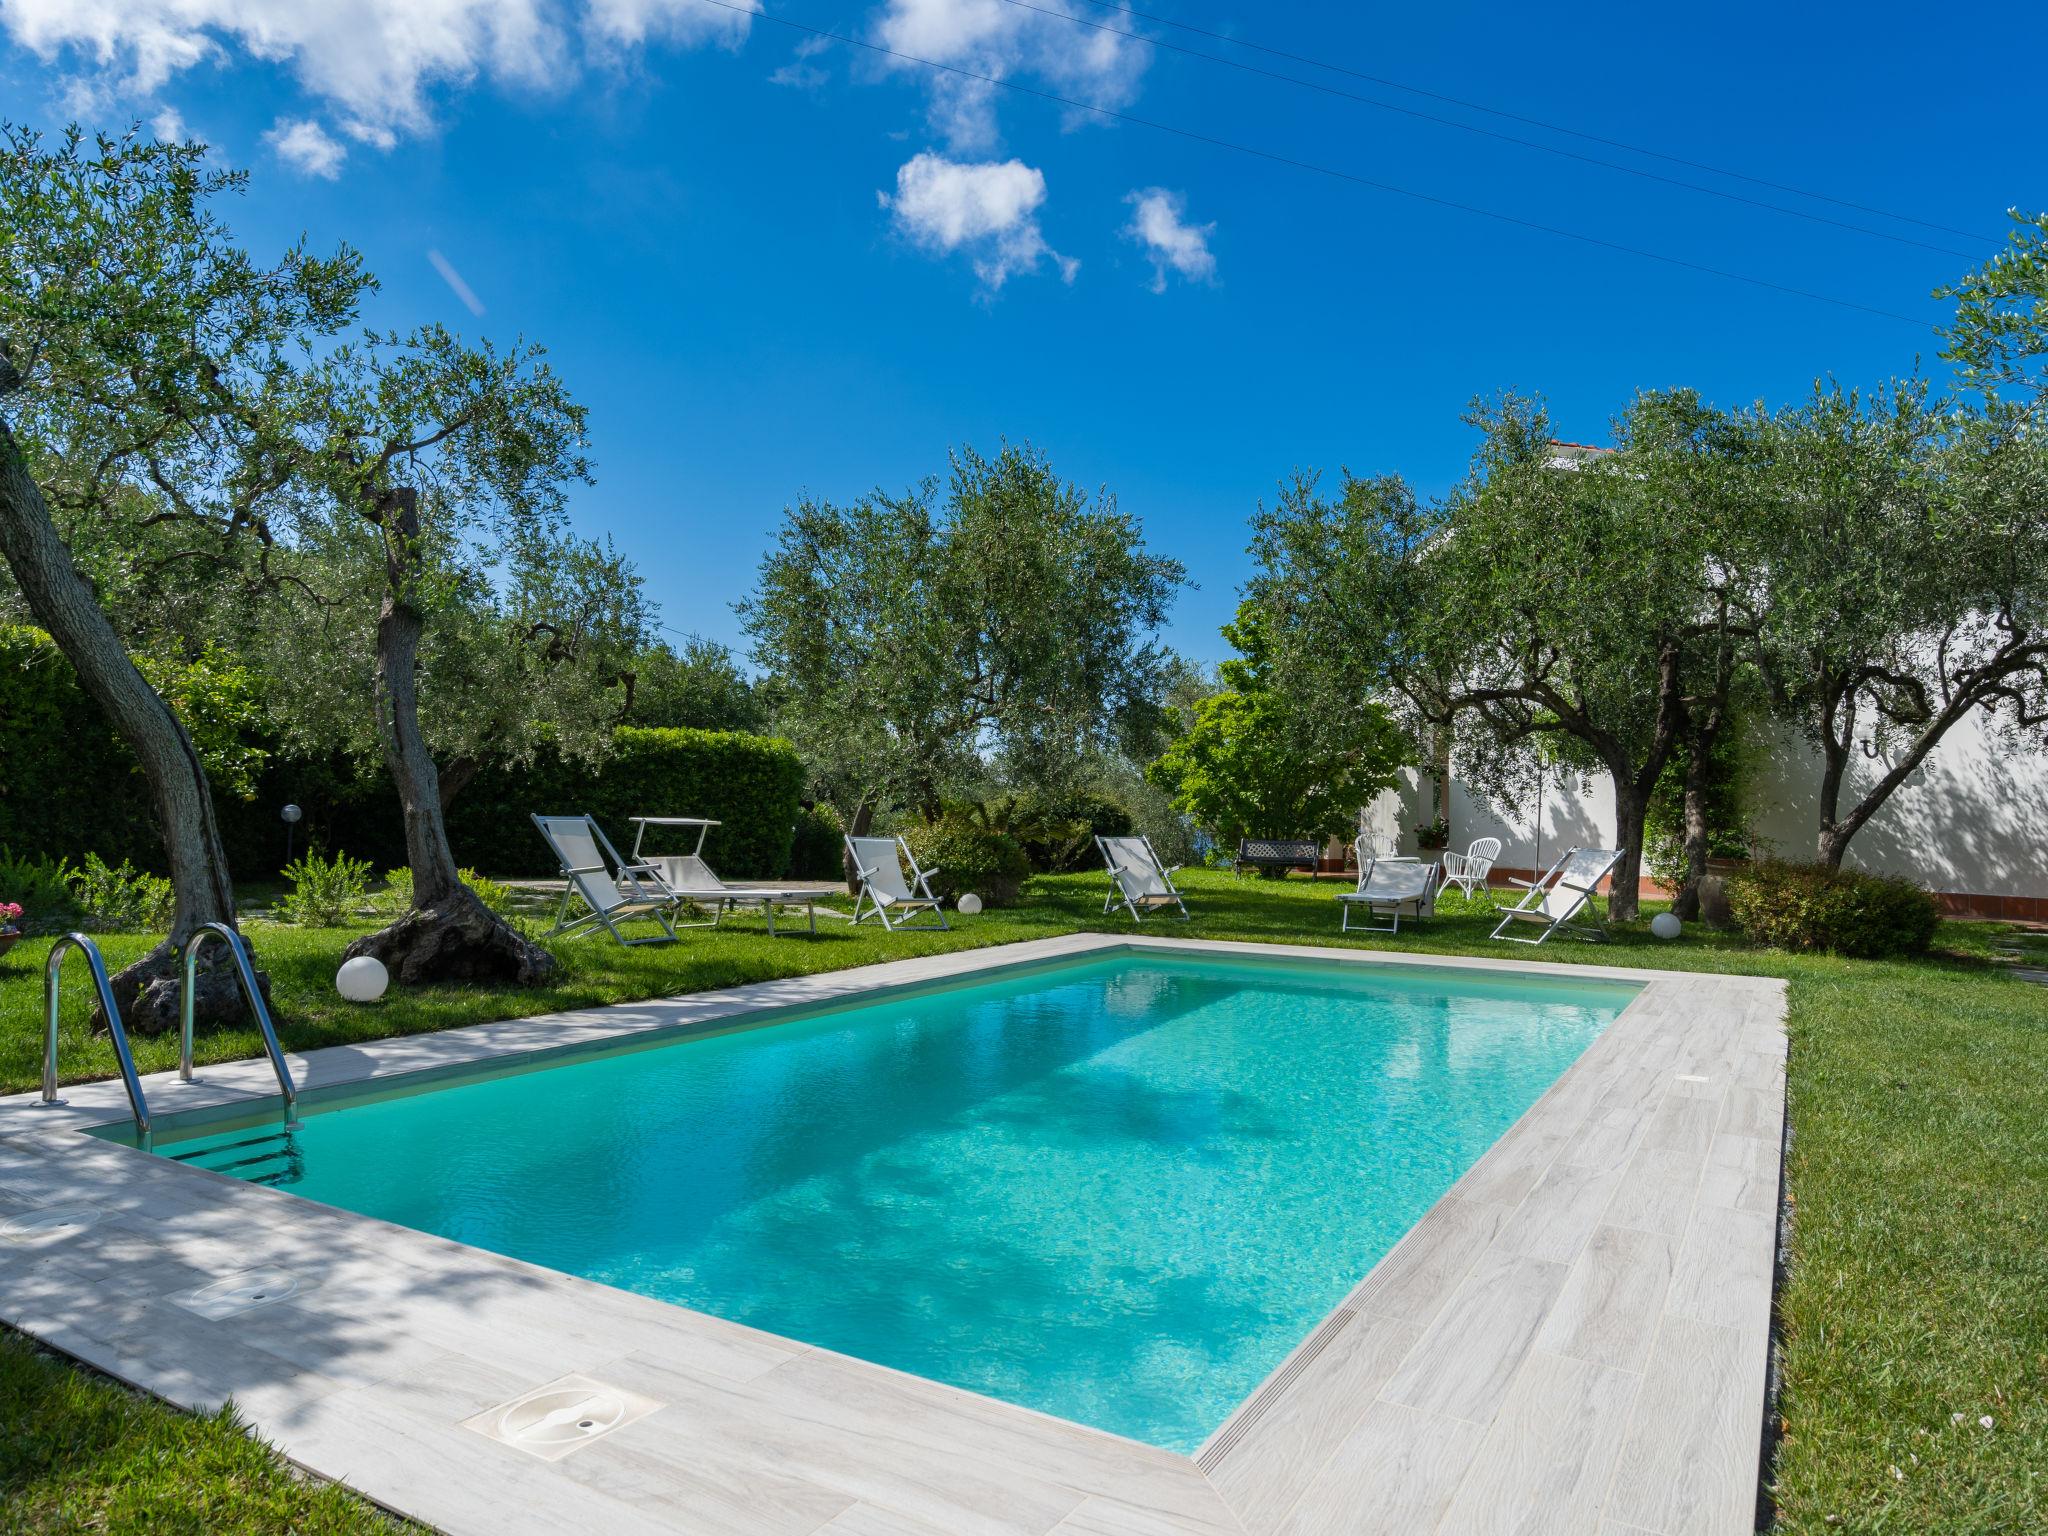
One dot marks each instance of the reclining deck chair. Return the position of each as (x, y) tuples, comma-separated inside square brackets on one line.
[(884, 890), (1386, 888), (690, 879), (1469, 869), (1556, 900), (1137, 877), (612, 890)]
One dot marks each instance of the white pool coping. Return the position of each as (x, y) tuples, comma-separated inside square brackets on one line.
[(1574, 1339)]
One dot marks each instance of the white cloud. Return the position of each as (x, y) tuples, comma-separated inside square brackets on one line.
[(989, 210), (1003, 41), (169, 126), (374, 63), (306, 147), (1159, 223)]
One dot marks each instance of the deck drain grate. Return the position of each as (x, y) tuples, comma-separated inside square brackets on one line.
[(563, 1416), (51, 1224), (1239, 1423), (243, 1292)]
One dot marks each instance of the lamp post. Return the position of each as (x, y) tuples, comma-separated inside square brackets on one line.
[(290, 816)]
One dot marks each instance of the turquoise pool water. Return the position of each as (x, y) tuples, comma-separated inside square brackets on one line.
[(1119, 1191)]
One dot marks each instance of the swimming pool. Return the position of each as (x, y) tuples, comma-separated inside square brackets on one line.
[(1119, 1190)]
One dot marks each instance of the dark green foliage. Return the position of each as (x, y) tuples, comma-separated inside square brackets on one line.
[(818, 850), (971, 855), (1728, 775), (1847, 912), (41, 887), (752, 784), (1057, 831), (67, 784), (696, 686)]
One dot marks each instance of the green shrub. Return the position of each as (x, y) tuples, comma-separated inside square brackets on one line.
[(751, 784), (970, 857), (119, 898), (325, 892), (493, 894), (817, 852), (395, 896), (41, 887), (1058, 832), (1809, 907)]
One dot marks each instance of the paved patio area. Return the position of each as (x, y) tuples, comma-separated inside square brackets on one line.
[(1574, 1339)]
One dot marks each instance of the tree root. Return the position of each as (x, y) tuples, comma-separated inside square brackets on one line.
[(455, 939), (147, 992)]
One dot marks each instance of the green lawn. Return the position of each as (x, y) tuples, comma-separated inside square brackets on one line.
[(1918, 1288), (81, 1453)]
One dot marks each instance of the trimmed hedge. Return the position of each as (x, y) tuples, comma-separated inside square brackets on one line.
[(752, 784), (1812, 907), (969, 857), (69, 787)]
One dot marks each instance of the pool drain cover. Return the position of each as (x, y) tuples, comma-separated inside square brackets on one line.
[(52, 1224), (239, 1293), (563, 1416)]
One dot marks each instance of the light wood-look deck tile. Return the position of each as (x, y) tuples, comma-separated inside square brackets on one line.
[(1465, 1361), (1610, 1306), (1689, 1464), (1544, 1466), (1396, 1472)]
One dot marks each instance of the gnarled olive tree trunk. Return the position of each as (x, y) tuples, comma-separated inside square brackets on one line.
[(146, 991), (448, 935)]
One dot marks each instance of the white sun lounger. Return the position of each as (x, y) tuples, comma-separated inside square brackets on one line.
[(1388, 887), (1468, 870), (1137, 877), (1556, 901), (692, 880), (611, 889), (883, 889)]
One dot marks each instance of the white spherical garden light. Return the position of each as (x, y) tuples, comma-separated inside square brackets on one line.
[(1665, 926), (362, 980), (969, 904)]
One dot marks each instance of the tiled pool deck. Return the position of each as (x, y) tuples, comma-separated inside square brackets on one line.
[(1574, 1339)]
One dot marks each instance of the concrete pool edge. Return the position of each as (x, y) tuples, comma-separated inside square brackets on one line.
[(1487, 1359)]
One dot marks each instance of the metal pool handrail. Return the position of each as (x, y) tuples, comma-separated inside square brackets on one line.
[(51, 969), (238, 947)]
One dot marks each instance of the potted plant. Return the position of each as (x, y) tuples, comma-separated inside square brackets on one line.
[(1433, 837), (10, 925)]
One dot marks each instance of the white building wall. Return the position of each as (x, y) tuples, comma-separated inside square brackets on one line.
[(1972, 821)]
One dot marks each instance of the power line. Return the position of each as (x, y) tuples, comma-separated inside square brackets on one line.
[(1312, 167), (1487, 133), (1532, 122)]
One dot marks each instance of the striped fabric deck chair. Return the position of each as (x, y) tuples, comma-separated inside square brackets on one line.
[(883, 888), (610, 890), (1555, 903), (1137, 876)]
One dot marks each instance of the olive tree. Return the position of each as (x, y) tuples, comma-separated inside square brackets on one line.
[(1908, 582), (431, 457), (1999, 337), (1544, 603), (141, 348), (913, 640)]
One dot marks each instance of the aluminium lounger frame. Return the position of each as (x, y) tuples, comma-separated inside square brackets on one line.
[(1558, 898), (647, 893), (1124, 875), (884, 890)]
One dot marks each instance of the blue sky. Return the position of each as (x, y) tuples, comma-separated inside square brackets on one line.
[(772, 264)]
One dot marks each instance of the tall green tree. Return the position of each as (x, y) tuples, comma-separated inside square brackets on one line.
[(1251, 761), (915, 640), (698, 685), (141, 348)]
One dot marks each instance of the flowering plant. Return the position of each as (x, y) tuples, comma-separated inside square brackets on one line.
[(10, 913)]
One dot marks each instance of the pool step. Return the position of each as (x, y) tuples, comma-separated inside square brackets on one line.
[(268, 1159)]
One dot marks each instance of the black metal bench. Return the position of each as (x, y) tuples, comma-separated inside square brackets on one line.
[(1277, 853)]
